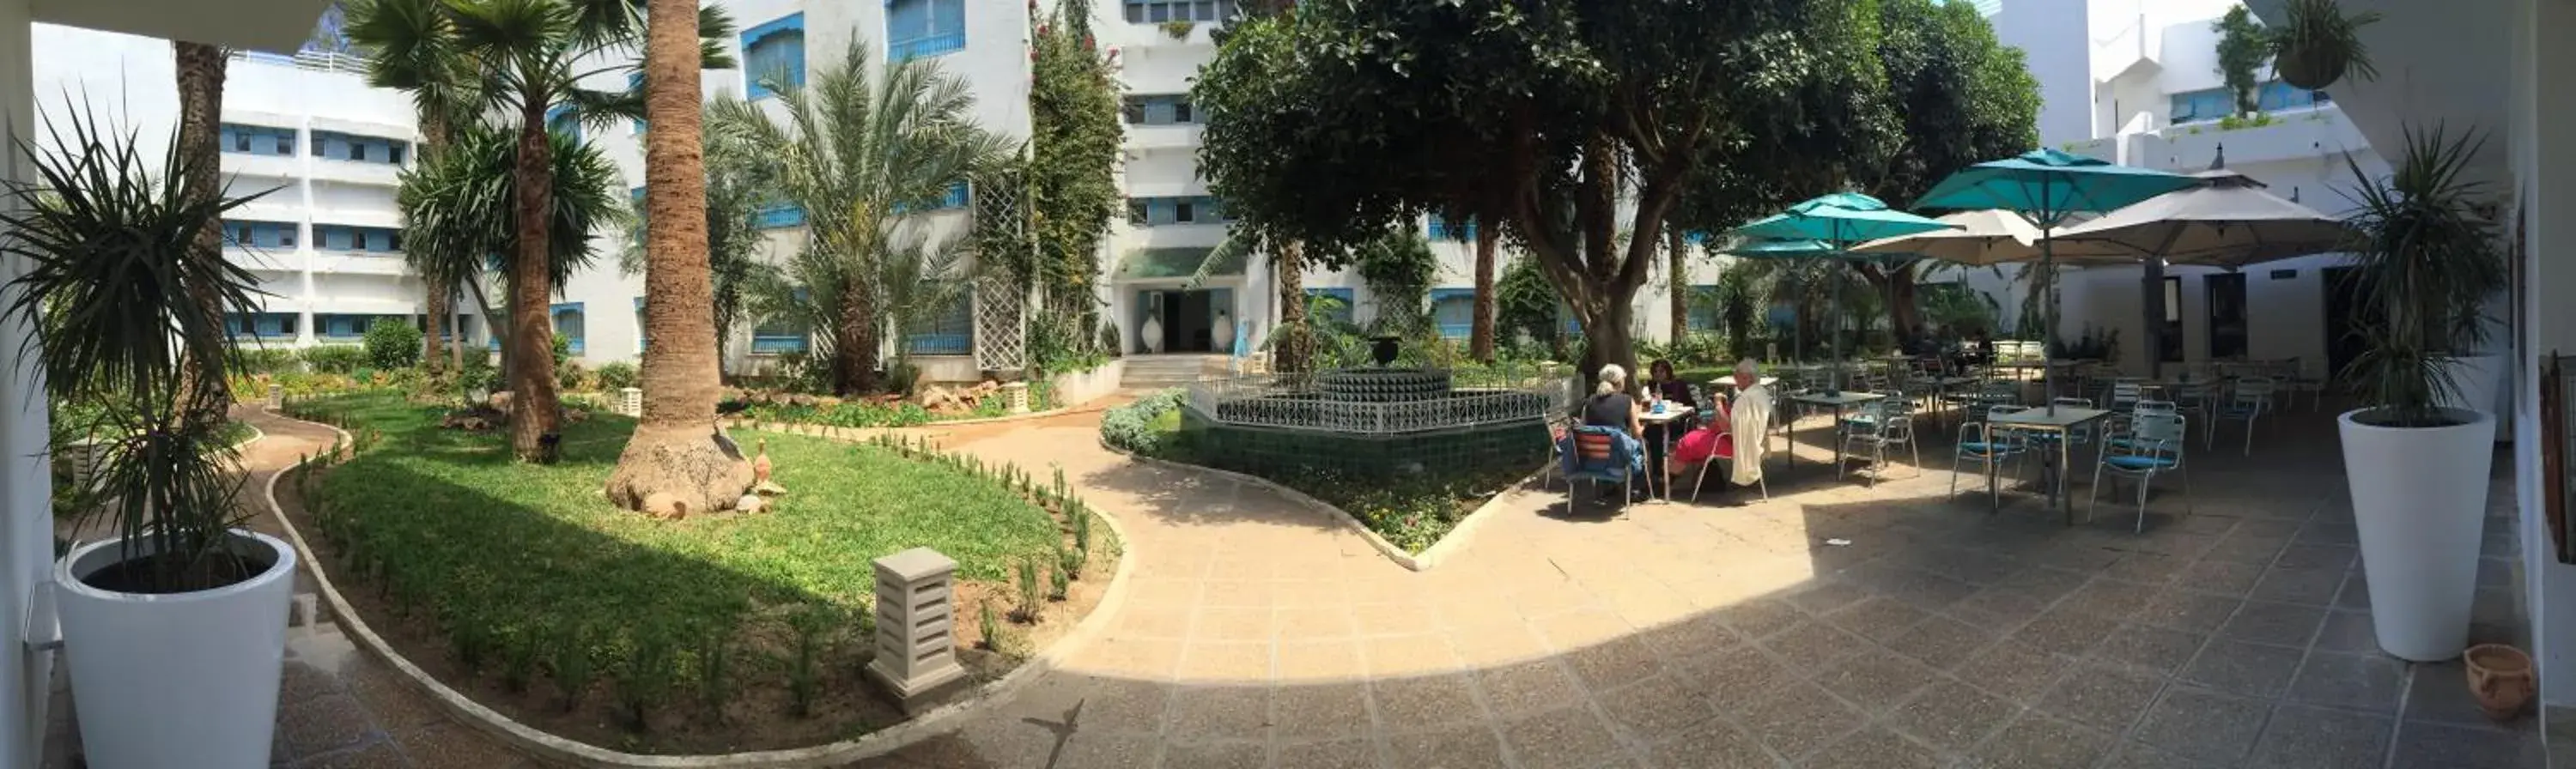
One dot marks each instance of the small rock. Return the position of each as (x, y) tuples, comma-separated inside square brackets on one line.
[(500, 401), (663, 504), (749, 503)]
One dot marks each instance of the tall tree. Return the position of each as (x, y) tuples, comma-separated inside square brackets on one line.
[(735, 194), (410, 46), (200, 70), (530, 57), (1588, 117), (1677, 249), (677, 460), (2242, 49), (1965, 98), (463, 201), (860, 153)]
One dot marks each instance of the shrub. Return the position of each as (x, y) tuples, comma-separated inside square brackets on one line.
[(392, 344), (262, 360), (334, 358), (570, 376), (1131, 427), (562, 350), (843, 414), (618, 376), (478, 374)]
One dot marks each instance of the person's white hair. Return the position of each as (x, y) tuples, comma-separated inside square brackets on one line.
[(1613, 379), (1747, 367)]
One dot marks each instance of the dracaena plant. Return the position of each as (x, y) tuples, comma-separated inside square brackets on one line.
[(120, 304), (2426, 256)]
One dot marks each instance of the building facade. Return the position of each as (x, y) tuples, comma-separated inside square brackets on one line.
[(2144, 90)]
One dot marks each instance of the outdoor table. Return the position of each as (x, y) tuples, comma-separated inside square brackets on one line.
[(1728, 381), (1838, 402), (2060, 420), (1942, 386), (1659, 433)]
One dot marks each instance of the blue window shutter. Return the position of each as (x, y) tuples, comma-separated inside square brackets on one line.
[(774, 50), (635, 83)]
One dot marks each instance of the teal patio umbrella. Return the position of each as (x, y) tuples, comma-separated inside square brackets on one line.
[(2047, 187), (1838, 221)]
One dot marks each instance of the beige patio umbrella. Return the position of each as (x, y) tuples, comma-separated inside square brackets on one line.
[(1984, 237), (2225, 221)]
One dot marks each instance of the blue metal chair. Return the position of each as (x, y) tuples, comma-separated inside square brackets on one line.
[(1884, 423), (1601, 455), (1981, 442), (2252, 399), (2153, 447)]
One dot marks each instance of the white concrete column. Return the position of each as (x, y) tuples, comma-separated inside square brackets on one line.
[(2544, 174), (26, 515)]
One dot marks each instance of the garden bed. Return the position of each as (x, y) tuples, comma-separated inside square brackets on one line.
[(1411, 505), (521, 587)]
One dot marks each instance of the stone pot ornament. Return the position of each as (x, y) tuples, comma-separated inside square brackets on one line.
[(2501, 678)]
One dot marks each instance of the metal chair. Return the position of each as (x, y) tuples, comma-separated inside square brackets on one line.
[(1990, 447), (1889, 422), (2154, 447), (1598, 458), (2252, 399), (2125, 395), (2295, 378), (1726, 451)]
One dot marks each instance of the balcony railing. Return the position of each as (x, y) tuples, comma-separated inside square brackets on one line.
[(778, 344), (940, 344), (932, 45), (311, 60)]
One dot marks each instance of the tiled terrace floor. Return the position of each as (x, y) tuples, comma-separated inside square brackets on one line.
[(1259, 633)]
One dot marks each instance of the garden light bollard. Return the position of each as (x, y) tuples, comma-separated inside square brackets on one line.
[(276, 396), (1018, 395), (916, 644), (630, 401)]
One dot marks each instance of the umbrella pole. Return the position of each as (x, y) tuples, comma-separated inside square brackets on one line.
[(2048, 318), (2155, 315)]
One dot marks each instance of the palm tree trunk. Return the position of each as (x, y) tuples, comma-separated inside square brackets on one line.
[(201, 102), (1290, 353), (854, 369), (533, 407), (438, 293), (1480, 326), (1679, 269), (675, 457)]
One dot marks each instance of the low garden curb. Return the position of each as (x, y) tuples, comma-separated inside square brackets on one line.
[(547, 746), (1430, 557)]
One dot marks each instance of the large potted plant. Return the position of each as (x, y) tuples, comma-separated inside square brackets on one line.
[(2316, 44), (2425, 259), (174, 625)]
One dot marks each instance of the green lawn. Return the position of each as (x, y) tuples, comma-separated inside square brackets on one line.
[(515, 561)]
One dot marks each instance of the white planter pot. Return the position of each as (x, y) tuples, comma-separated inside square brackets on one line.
[(2481, 382), (2419, 495), (1153, 333), (178, 679)]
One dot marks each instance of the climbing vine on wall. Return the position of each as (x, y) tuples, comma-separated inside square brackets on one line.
[(1074, 142)]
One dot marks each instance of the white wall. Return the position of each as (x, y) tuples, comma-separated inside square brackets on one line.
[(2060, 56), (2545, 176), (27, 532)]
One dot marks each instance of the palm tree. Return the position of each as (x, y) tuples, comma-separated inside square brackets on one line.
[(412, 48), (201, 106), (529, 58), (677, 456), (856, 152), (462, 203)]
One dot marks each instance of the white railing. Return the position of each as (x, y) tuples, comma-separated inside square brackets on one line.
[(1477, 397), (310, 60)]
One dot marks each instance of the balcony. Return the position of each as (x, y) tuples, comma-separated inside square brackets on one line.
[(260, 171), (359, 263), (268, 259), (1163, 137), (2299, 134), (357, 172)]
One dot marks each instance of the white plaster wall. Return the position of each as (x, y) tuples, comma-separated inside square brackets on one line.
[(2060, 56), (2545, 175), (26, 530)]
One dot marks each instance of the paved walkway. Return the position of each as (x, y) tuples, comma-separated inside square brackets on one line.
[(1837, 626)]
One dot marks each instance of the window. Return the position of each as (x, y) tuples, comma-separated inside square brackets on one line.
[(357, 151), (1442, 229), (255, 140), (352, 147), (319, 144), (1159, 11), (264, 325), (774, 54), (394, 153), (2227, 314), (1454, 310), (1702, 313), (1183, 212), (362, 240), (924, 28), (2218, 103), (560, 119), (779, 215), (568, 324), (951, 332), (259, 234), (1138, 212), (639, 324), (1158, 109), (772, 336)]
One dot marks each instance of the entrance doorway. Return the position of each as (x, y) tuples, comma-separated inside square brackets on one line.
[(2346, 316), (1188, 318), (2169, 324), (2226, 315)]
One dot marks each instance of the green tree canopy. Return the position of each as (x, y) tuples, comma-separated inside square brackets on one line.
[(1576, 119), (2242, 49)]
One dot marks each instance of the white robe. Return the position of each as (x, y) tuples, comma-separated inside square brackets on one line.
[(1749, 420)]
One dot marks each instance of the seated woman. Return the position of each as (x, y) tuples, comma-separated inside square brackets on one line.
[(1612, 406), (1697, 446), (1668, 387)]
